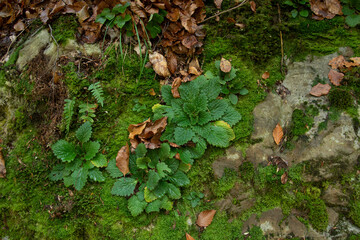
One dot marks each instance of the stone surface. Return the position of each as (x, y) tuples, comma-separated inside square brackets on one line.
[(333, 217), (232, 160), (335, 197)]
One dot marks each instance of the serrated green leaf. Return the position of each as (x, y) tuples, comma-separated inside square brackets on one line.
[(149, 195), (231, 116), (124, 187), (173, 164), (68, 181), (352, 20), (189, 91), (72, 166), (154, 206), (173, 192), (140, 150), (161, 168), (231, 75), (99, 160), (166, 94), (142, 162), (64, 150), (83, 134), (80, 176), (183, 135), (113, 170), (153, 180), (160, 189), (294, 13), (57, 173), (220, 134), (91, 148), (136, 206), (243, 91), (186, 157), (96, 175), (233, 99), (166, 204), (97, 92), (200, 147), (164, 151), (217, 108), (179, 179)]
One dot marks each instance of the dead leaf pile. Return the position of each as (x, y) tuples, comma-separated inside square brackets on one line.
[(122, 159), (147, 132), (2, 165), (325, 9), (205, 218)]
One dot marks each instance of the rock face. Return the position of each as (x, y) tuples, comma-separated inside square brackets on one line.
[(232, 160)]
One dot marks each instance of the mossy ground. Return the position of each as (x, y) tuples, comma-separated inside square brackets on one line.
[(32, 205)]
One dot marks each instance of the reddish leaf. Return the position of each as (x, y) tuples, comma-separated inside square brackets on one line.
[(188, 237), (320, 90), (265, 75), (218, 3), (205, 218), (173, 15), (225, 65), (2, 165), (175, 87), (335, 77), (159, 64), (278, 134), (284, 178), (122, 159), (337, 62), (253, 6)]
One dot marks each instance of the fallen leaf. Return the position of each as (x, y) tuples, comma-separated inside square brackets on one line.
[(137, 129), (205, 218), (122, 159), (154, 128), (171, 61), (356, 60), (188, 237), (19, 26), (278, 134), (189, 41), (159, 64), (44, 15), (218, 3), (83, 14), (253, 6), (326, 9), (284, 178), (337, 62), (194, 67), (335, 77), (278, 162), (225, 65), (175, 87), (2, 165), (152, 92), (177, 156), (320, 90), (265, 75), (173, 15)]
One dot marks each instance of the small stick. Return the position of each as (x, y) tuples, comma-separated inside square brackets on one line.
[(225, 11), (282, 43)]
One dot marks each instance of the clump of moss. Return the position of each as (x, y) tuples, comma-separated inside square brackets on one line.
[(355, 212), (301, 122), (340, 98), (21, 118), (318, 216), (225, 183), (64, 28), (255, 233)]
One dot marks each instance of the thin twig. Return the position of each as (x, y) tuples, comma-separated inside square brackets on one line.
[(225, 11), (57, 45), (282, 43)]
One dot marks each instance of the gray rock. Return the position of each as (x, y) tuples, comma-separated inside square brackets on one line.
[(232, 160), (333, 217), (335, 197)]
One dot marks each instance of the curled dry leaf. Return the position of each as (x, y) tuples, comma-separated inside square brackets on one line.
[(356, 60), (205, 218), (218, 3), (284, 178), (278, 134), (19, 26), (159, 64), (335, 77), (320, 90), (188, 237), (194, 67), (122, 159), (253, 6), (171, 61), (265, 75), (326, 9), (2, 165), (137, 129), (175, 87), (152, 92), (337, 62), (225, 65), (83, 14)]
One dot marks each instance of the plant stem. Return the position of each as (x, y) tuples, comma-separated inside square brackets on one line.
[(140, 54)]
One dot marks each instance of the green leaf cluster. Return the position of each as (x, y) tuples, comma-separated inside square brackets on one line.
[(198, 115), (79, 161), (153, 25), (300, 7), (97, 92), (155, 181), (351, 10), (68, 112)]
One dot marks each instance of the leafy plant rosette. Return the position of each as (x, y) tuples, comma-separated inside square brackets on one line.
[(79, 161), (155, 179)]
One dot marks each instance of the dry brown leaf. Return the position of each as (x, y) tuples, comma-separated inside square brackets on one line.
[(326, 9), (225, 65), (284, 178), (2, 165), (188, 237), (253, 6), (265, 75), (335, 77), (189, 41), (337, 62), (154, 128), (173, 15), (175, 87), (19, 26), (171, 61), (83, 14), (218, 3), (356, 60), (194, 67), (122, 159), (152, 92), (205, 218), (44, 15), (278, 134), (159, 64), (137, 129), (320, 90), (177, 156)]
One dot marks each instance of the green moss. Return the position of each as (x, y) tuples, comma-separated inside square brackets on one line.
[(318, 216), (340, 98), (255, 233), (354, 213), (221, 187), (301, 122), (220, 228), (172, 226), (247, 171), (64, 28), (21, 118)]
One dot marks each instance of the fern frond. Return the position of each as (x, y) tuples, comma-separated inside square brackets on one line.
[(97, 92), (68, 112), (87, 112)]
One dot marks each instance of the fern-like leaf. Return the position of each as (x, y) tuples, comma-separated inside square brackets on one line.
[(68, 112), (97, 92), (87, 112)]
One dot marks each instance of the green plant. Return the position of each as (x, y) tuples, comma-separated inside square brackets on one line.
[(194, 198), (68, 112), (300, 7), (97, 92), (138, 107), (87, 112), (198, 115), (156, 176), (351, 10), (79, 161)]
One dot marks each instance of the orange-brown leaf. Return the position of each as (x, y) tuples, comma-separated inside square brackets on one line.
[(225, 65), (171, 61), (284, 178), (337, 62), (154, 128), (175, 87), (194, 67), (265, 75), (253, 6), (356, 60), (320, 90), (122, 159), (19, 26), (278, 134), (2, 165), (205, 218), (152, 92), (137, 129), (188, 237), (335, 77), (218, 3), (159, 64)]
